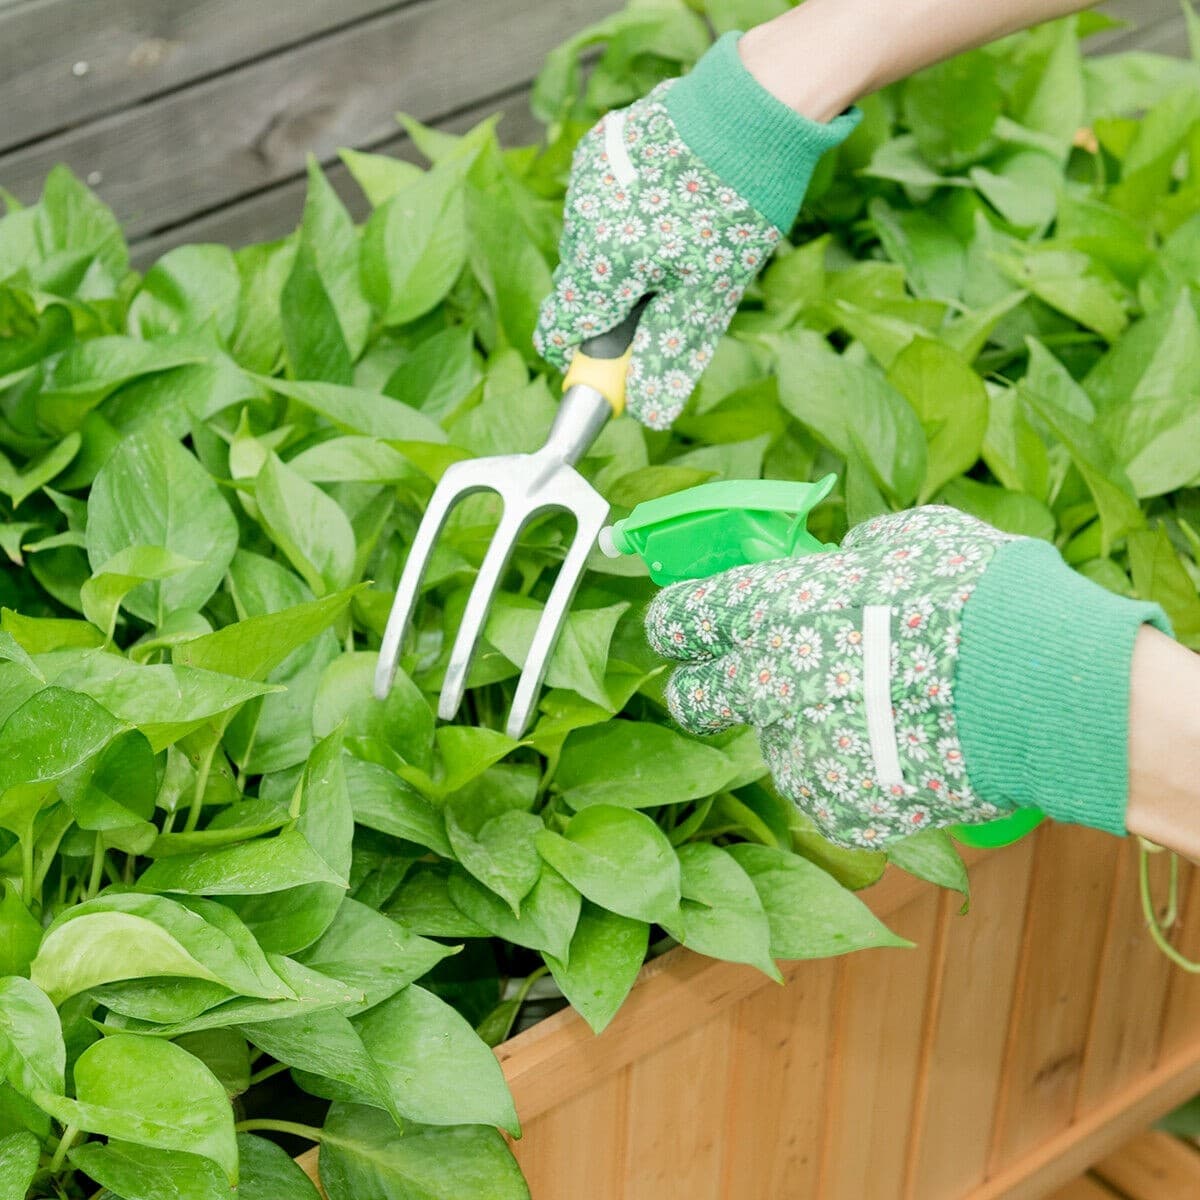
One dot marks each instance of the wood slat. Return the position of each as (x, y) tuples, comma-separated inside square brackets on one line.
[(875, 1055), (1153, 1166), (676, 1155), (131, 49), (275, 212), (980, 965), (1072, 875), (1084, 1188), (1131, 989), (780, 1048), (583, 1139), (202, 146), (1179, 1026)]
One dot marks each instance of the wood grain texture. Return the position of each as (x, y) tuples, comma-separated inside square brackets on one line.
[(1152, 1166), (276, 211), (204, 145), (132, 49), (1182, 1012), (978, 973), (584, 1138), (1064, 934), (875, 1054), (1085, 1188), (1131, 989), (780, 1048)]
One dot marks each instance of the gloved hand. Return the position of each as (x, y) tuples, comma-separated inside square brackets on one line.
[(684, 195), (932, 671)]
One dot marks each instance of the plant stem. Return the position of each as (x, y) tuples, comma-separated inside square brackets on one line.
[(27, 888), (202, 771), (267, 1072), (60, 1151), (305, 1131), (1152, 922), (97, 868)]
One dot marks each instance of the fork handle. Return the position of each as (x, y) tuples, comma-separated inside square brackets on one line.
[(600, 362)]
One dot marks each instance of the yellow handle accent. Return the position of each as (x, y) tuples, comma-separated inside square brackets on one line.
[(606, 375)]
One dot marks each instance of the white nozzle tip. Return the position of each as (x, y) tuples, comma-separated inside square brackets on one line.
[(607, 546)]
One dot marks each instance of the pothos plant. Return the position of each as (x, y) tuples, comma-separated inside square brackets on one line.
[(239, 895)]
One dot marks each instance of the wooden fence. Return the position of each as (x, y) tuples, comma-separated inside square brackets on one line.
[(192, 118)]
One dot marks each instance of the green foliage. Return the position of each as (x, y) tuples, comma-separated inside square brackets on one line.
[(218, 851)]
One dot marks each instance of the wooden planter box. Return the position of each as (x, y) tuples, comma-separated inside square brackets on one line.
[(1013, 1048)]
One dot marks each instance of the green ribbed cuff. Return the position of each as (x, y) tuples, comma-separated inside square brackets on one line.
[(748, 137), (1041, 692)]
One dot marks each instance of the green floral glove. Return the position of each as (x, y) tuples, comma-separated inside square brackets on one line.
[(933, 671), (683, 195)]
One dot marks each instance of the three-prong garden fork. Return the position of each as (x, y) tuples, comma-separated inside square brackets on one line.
[(528, 485)]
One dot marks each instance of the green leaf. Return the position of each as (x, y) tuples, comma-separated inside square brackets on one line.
[(1067, 280), (852, 409), (20, 933), (951, 109), (932, 855), (72, 218), (549, 912), (267, 1172), (619, 859), (143, 1173), (414, 245), (115, 578), (364, 1154), (1159, 575), (606, 954), (811, 915), (379, 175), (307, 526), (368, 951), (224, 1053), (721, 914), (661, 766), (19, 485), (437, 1068), (188, 288), (131, 936), (383, 801), (497, 847), (32, 1053), (152, 492), (1013, 512), (18, 1164), (151, 1092), (312, 336), (437, 375), (951, 403)]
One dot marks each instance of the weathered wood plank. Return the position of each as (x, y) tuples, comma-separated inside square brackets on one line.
[(1152, 1166), (276, 211), (204, 145), (130, 49)]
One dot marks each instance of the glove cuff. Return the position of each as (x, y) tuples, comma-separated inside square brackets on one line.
[(1041, 693), (749, 138)]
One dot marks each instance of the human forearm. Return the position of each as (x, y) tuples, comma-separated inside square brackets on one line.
[(823, 55), (1164, 744)]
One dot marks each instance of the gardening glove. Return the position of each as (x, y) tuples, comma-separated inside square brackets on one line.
[(682, 195), (932, 671)]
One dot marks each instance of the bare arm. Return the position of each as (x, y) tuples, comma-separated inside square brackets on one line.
[(822, 56), (1164, 744)]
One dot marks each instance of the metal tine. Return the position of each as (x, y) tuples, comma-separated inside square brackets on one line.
[(553, 618), (478, 604), (454, 485)]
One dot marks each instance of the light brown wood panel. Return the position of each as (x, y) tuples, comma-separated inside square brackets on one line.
[(1084, 1188), (678, 1155), (1153, 1166), (1181, 1026), (1131, 989), (276, 211), (875, 1055), (779, 1047), (200, 147), (127, 50), (980, 965), (1064, 934), (582, 1139)]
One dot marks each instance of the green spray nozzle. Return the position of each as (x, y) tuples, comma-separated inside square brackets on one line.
[(711, 528), (708, 529)]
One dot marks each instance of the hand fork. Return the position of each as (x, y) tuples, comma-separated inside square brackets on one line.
[(528, 485)]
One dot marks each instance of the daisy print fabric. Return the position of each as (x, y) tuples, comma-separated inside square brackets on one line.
[(844, 662), (644, 216)]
